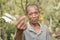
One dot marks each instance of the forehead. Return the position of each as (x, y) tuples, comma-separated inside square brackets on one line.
[(32, 8)]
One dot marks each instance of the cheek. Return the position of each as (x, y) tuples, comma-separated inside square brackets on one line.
[(37, 15), (28, 16)]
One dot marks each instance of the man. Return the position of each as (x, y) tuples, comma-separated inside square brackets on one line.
[(31, 30)]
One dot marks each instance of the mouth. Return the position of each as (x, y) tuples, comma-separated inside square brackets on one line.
[(34, 20)]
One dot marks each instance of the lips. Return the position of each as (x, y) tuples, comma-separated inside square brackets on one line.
[(34, 18)]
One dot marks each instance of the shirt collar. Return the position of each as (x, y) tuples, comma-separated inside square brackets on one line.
[(31, 29)]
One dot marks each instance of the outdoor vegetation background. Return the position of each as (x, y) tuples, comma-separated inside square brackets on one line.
[(50, 15)]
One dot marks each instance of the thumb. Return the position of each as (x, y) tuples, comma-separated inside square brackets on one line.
[(17, 17)]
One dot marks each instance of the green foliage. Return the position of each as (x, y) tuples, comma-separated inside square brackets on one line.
[(6, 30), (50, 16)]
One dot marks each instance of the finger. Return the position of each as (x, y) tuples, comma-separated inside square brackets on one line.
[(20, 24), (23, 27), (21, 19)]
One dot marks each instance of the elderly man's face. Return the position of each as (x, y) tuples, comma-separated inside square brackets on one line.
[(33, 14)]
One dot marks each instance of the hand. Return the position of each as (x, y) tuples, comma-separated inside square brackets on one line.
[(20, 22)]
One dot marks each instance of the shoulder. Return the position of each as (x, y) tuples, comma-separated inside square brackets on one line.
[(44, 27)]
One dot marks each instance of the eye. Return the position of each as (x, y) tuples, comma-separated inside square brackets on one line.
[(36, 12), (30, 13)]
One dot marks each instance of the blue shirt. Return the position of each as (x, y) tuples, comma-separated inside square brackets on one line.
[(30, 34)]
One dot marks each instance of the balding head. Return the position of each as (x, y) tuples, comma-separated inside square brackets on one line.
[(32, 5)]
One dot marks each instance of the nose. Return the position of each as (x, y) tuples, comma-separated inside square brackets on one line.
[(33, 15)]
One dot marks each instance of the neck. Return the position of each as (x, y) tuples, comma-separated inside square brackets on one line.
[(35, 26)]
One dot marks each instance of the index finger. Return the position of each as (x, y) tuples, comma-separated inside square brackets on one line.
[(21, 19)]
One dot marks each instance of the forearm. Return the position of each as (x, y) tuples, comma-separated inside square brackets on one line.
[(18, 35)]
